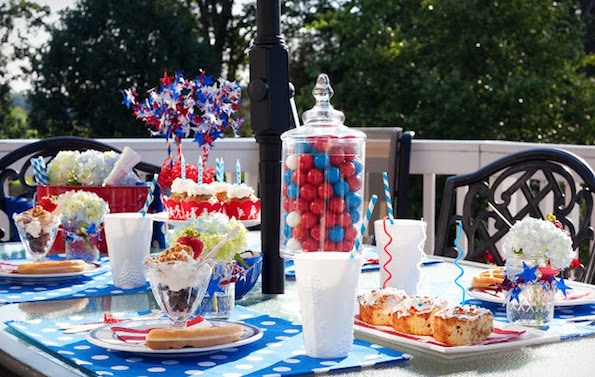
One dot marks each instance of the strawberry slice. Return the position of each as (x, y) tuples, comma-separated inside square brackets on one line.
[(48, 203), (195, 243)]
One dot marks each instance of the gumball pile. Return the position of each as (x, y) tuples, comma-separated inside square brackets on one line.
[(321, 194)]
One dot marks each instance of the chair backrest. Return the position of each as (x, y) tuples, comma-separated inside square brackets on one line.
[(16, 165), (394, 143), (533, 183)]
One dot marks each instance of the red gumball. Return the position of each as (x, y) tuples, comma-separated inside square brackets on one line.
[(346, 245), (287, 205), (350, 151), (310, 244), (309, 220), (315, 176), (347, 169), (300, 233), (299, 176), (337, 155), (329, 246), (325, 190), (337, 204), (301, 205), (344, 219), (317, 206), (328, 219), (308, 192), (305, 161), (320, 144), (350, 233), (354, 183), (315, 233)]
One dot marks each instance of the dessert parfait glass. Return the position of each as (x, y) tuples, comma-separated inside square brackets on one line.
[(178, 286), (37, 231)]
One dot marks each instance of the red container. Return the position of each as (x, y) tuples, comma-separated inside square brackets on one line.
[(119, 198)]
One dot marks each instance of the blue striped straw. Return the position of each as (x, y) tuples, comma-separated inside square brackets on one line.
[(39, 171), (238, 172), (183, 163), (389, 202), (199, 181), (365, 221), (150, 195)]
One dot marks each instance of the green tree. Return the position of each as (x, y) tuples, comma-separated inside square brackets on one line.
[(101, 48), (14, 46), (460, 69)]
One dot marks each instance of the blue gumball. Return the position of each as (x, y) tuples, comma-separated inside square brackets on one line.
[(287, 231), (340, 188), (287, 176), (336, 234), (358, 166), (353, 200), (293, 191), (355, 215), (303, 148), (321, 160), (332, 175)]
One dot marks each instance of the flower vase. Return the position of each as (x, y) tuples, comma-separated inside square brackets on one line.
[(81, 244), (529, 303), (219, 300)]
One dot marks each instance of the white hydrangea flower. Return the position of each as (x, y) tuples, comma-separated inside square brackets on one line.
[(61, 167), (539, 241), (82, 208)]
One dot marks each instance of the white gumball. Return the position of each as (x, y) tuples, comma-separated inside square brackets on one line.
[(291, 161), (293, 219), (293, 245)]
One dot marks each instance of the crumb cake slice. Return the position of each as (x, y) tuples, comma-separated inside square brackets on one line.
[(461, 325), (376, 307), (415, 315)]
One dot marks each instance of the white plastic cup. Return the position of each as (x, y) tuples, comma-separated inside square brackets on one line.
[(327, 286), (400, 251), (128, 238)]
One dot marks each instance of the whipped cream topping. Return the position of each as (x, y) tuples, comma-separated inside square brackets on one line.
[(419, 304), (220, 186), (178, 275), (240, 191), (190, 187), (388, 297), (464, 312), (36, 225)]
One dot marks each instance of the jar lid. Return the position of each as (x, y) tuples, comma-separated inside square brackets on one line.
[(323, 112)]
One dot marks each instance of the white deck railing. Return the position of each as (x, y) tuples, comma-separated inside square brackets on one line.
[(429, 158)]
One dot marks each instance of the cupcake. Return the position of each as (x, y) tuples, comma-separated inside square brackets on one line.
[(200, 199), (241, 203)]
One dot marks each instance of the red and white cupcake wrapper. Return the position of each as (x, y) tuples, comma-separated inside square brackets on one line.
[(245, 209)]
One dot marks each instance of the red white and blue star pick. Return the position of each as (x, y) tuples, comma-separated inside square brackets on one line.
[(547, 272), (527, 275)]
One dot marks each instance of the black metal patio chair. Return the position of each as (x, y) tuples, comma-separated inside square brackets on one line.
[(531, 182), (16, 166)]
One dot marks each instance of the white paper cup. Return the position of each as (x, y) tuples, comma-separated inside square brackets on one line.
[(400, 251), (327, 286), (128, 238)]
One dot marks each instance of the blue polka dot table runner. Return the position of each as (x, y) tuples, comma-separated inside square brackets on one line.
[(97, 282), (279, 352)]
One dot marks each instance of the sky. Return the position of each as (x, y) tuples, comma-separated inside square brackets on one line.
[(55, 6)]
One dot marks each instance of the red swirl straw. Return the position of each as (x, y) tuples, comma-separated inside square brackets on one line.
[(390, 256)]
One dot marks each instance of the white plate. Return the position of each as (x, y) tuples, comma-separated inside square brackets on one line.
[(104, 337), (580, 294), (429, 345), (15, 277)]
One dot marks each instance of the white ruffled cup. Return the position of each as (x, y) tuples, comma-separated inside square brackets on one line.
[(400, 251)]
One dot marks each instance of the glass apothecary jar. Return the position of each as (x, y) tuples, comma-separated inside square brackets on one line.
[(322, 180)]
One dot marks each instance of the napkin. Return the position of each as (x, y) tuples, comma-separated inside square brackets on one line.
[(138, 335), (497, 336)]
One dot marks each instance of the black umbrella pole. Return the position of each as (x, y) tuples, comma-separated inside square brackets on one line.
[(269, 117)]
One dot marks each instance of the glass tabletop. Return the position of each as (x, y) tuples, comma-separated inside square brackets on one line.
[(567, 357)]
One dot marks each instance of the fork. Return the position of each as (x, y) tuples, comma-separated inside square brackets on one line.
[(75, 329)]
